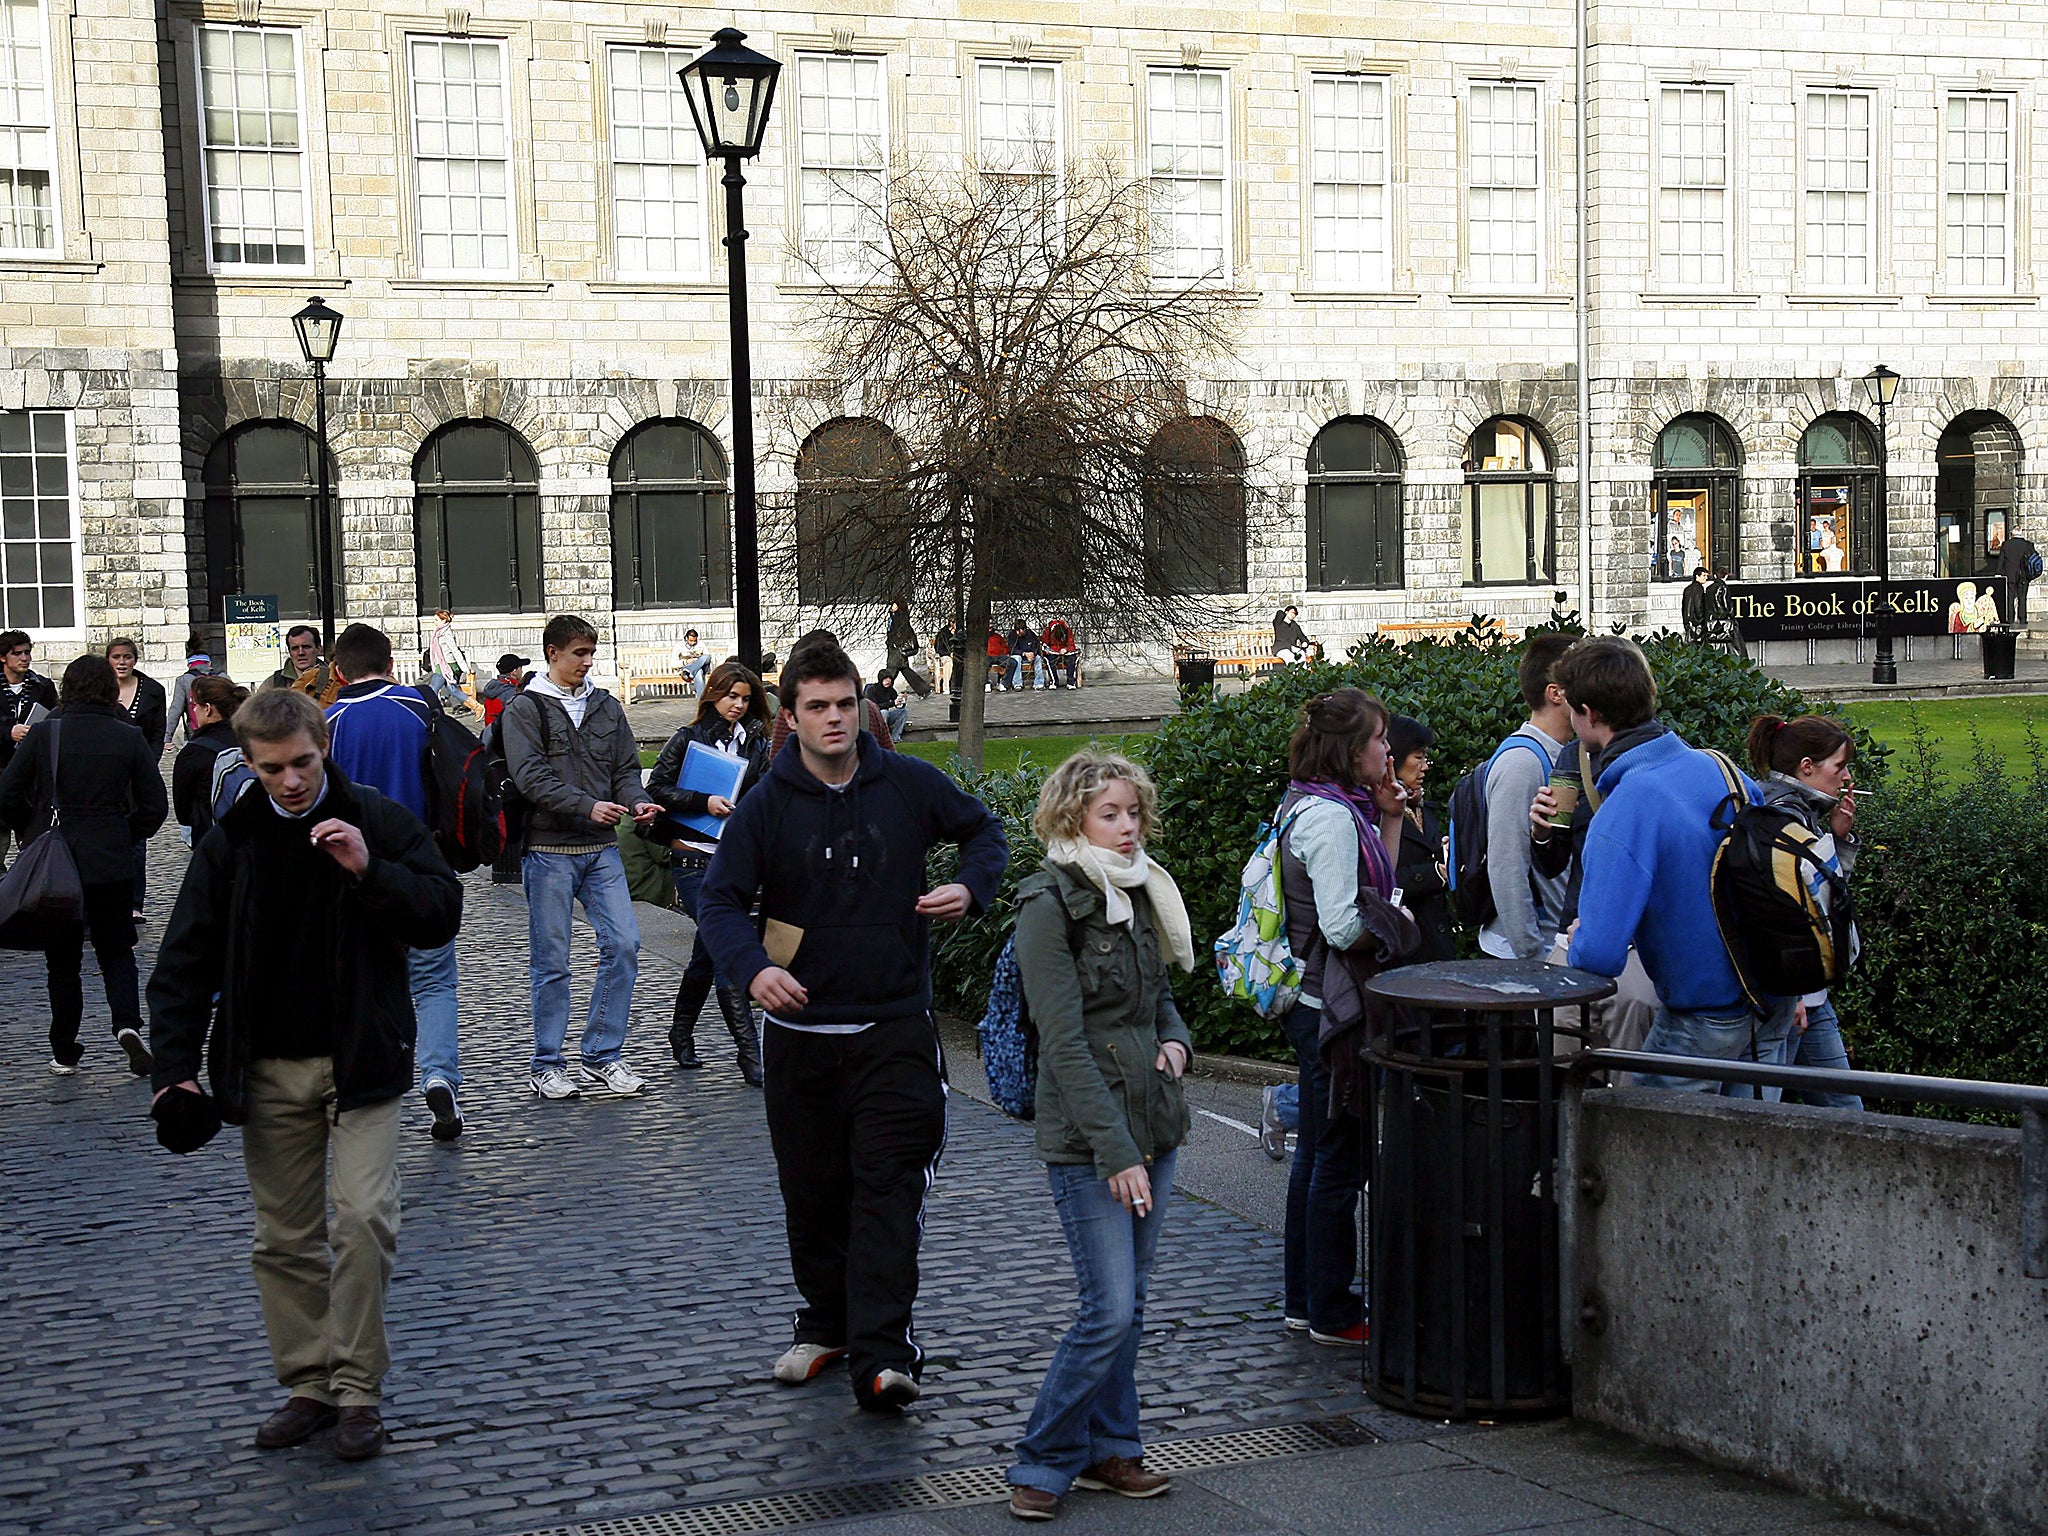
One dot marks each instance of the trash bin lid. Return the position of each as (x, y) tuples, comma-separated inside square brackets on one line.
[(1490, 984)]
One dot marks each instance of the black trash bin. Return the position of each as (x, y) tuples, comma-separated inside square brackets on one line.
[(1462, 1274), (2000, 649), (1197, 677)]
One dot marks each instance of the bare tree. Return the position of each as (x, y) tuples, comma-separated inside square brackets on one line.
[(1030, 447)]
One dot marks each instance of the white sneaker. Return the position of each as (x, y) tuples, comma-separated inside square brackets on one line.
[(58, 1069), (130, 1040), (615, 1075), (801, 1362), (555, 1083), (892, 1389)]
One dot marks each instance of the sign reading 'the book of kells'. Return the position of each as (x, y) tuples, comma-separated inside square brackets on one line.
[(1845, 607)]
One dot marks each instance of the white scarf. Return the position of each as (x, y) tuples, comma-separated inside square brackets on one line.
[(1112, 874)]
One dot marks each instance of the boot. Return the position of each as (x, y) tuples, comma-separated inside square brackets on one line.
[(739, 1019), (682, 1031)]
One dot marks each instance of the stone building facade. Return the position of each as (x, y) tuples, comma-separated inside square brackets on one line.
[(506, 205)]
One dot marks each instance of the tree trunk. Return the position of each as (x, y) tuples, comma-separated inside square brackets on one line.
[(974, 676)]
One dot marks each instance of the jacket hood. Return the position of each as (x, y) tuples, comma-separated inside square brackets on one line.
[(789, 766)]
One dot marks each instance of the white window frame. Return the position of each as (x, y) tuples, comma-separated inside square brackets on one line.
[(1056, 150), (1488, 282), (511, 192), (47, 633), (1951, 257), (1668, 150), (682, 129), (46, 47), (1226, 178), (1375, 273), (304, 150), (1812, 276), (817, 61)]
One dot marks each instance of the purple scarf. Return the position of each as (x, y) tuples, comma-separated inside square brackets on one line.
[(1359, 802)]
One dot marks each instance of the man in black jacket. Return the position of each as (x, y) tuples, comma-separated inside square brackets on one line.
[(299, 910), (22, 689), (2012, 560), (834, 842)]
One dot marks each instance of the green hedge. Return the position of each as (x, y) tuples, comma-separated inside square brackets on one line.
[(1952, 906)]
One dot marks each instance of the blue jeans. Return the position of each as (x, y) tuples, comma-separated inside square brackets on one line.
[(433, 1002), (1088, 1407), (446, 691), (896, 717), (695, 671), (554, 883), (1287, 1105), (689, 881), (1820, 1046), (1013, 669), (1320, 1253), (1720, 1034)]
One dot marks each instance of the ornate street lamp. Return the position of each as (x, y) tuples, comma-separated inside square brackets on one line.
[(1882, 386), (730, 88), (319, 331)]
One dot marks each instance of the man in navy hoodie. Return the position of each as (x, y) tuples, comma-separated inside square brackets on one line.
[(1647, 862), (834, 843)]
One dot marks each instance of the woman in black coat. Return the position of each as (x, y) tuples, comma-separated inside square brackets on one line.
[(1419, 871), (143, 700), (88, 769), (214, 702)]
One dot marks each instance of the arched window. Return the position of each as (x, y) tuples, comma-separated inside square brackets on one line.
[(671, 527), (1837, 497), (1510, 505), (262, 518), (1354, 507), (850, 534), (1696, 499), (1194, 508), (1976, 488), (476, 520)]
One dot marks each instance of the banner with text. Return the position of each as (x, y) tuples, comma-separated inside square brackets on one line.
[(1844, 607)]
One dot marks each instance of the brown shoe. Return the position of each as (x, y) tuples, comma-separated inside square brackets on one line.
[(360, 1434), (298, 1421), (1124, 1475), (1033, 1503)]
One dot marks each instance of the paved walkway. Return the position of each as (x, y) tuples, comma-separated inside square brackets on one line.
[(587, 1301)]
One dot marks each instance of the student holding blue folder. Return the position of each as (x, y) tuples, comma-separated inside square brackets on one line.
[(702, 773)]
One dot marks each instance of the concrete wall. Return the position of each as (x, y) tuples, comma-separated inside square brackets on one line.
[(1832, 1301)]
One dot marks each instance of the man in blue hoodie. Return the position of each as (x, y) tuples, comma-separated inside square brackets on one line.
[(834, 843), (1648, 858)]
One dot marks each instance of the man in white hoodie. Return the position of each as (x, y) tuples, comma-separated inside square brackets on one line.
[(573, 758)]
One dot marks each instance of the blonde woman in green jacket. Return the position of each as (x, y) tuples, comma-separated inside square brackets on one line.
[(1096, 930)]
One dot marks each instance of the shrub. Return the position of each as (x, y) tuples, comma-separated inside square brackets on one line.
[(1953, 913), (964, 954)]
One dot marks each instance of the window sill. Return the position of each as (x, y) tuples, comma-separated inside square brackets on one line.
[(1529, 588), (1532, 300), (664, 287), (25, 261), (1386, 296), (1843, 300), (468, 284), (297, 282), (1981, 300), (1681, 299)]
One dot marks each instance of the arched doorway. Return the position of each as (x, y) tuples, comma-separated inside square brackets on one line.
[(1976, 487), (1838, 497), (262, 507)]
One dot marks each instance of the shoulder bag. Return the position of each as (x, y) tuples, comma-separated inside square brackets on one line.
[(41, 895)]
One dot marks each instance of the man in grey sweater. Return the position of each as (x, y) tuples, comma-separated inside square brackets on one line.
[(1527, 902), (573, 758)]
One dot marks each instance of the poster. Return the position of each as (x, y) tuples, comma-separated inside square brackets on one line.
[(1844, 608), (255, 648)]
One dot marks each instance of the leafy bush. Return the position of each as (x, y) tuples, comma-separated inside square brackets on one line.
[(1953, 912), (964, 954)]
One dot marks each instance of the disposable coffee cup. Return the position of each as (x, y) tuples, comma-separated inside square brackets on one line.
[(1565, 786)]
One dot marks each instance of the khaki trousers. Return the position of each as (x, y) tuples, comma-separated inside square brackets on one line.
[(322, 1273), (1622, 1020)]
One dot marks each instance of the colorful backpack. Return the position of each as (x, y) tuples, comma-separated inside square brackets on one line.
[(1253, 959), (1009, 1042)]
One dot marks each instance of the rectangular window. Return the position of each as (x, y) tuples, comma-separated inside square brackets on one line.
[(1692, 187), (1186, 120), (1839, 159), (842, 149), (1017, 118), (38, 574), (1977, 192), (461, 145), (251, 147), (27, 218), (1503, 158), (1348, 244), (658, 193)]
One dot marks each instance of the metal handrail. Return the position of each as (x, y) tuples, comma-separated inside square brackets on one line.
[(2026, 1100)]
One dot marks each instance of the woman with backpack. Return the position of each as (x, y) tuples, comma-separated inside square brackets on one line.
[(1803, 768), (732, 719), (1097, 927), (193, 771), (1341, 826)]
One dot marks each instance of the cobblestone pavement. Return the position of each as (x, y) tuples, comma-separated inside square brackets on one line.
[(587, 1302)]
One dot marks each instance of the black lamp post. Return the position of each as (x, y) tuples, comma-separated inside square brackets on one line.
[(319, 330), (730, 88), (1882, 386)]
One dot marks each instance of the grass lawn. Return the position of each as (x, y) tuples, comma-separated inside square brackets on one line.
[(1949, 723)]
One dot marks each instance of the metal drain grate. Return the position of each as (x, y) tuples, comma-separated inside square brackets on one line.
[(974, 1485)]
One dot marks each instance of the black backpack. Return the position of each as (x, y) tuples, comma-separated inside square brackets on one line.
[(1471, 890), (465, 800), (511, 803), (1783, 940)]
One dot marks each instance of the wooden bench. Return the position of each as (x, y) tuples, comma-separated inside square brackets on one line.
[(652, 666), (1245, 651), (1414, 629)]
